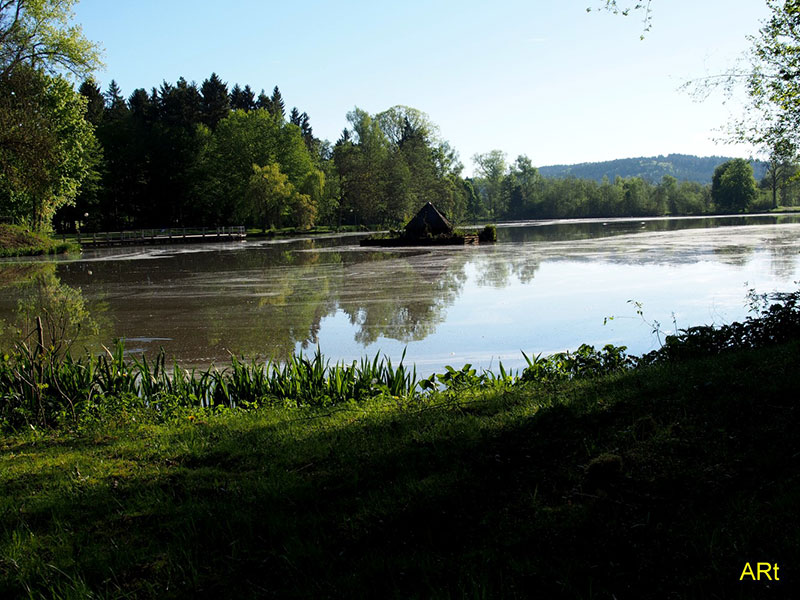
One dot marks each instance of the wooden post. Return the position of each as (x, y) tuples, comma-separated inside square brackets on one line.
[(40, 333)]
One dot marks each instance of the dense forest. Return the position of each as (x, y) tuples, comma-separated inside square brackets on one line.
[(211, 154), (188, 154), (206, 155), (683, 167)]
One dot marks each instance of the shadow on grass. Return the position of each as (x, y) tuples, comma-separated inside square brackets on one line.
[(658, 483)]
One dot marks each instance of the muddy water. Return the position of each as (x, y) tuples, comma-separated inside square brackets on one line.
[(546, 286)]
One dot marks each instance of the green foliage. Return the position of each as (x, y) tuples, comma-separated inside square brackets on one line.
[(38, 34), (733, 187), (772, 82), (491, 167), (391, 164), (271, 199), (520, 192), (488, 234), (216, 102), (41, 384), (776, 321), (226, 182), (18, 241), (583, 362), (683, 167), (44, 140), (626, 8), (45, 155)]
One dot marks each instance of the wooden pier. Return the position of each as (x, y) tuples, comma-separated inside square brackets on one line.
[(173, 235)]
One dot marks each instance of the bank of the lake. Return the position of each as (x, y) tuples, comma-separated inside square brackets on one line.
[(18, 241), (662, 481)]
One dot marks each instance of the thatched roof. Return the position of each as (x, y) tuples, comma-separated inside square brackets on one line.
[(428, 222)]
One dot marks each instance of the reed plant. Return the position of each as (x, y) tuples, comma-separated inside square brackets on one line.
[(45, 385)]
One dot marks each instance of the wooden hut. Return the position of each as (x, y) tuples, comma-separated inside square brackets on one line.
[(429, 222), (429, 228)]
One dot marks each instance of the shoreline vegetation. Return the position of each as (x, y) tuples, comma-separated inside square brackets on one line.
[(378, 232), (591, 473), (18, 241)]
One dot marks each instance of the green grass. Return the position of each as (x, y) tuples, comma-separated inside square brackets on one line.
[(18, 241), (592, 475), (785, 209), (652, 483)]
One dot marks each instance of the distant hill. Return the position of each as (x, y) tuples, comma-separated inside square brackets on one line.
[(684, 167)]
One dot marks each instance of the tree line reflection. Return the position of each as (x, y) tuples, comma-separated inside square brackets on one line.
[(268, 299)]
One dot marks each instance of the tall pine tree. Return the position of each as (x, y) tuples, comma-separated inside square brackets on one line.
[(278, 108), (215, 101)]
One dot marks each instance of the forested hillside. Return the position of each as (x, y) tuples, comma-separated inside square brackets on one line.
[(683, 167)]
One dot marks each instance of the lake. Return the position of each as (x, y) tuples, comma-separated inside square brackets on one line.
[(546, 286)]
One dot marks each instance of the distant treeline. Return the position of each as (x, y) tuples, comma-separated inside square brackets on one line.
[(520, 191), (683, 167), (203, 155)]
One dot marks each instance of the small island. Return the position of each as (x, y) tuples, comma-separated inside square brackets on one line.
[(431, 228)]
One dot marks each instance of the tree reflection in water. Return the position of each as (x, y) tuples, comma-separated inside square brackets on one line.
[(31, 290), (266, 299)]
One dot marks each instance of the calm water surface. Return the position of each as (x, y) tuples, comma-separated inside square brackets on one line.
[(545, 287)]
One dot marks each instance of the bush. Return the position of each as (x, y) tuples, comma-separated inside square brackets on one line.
[(489, 234)]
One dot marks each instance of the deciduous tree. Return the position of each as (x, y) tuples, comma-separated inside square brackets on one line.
[(733, 187), (38, 34), (44, 146), (491, 167)]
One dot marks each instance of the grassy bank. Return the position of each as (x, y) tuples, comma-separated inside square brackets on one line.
[(658, 482), (590, 476), (17, 241)]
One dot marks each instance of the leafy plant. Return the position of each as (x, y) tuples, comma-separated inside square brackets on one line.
[(586, 361)]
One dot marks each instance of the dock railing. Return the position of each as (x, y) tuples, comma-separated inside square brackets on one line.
[(166, 235)]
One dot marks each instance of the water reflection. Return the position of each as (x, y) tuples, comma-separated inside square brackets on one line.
[(585, 229), (543, 287), (31, 290)]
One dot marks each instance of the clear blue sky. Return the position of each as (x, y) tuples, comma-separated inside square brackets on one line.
[(537, 77)]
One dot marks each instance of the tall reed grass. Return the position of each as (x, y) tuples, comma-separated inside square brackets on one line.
[(43, 384), (40, 385)]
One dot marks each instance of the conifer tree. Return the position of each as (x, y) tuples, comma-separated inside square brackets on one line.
[(248, 98), (235, 97), (215, 101), (116, 107), (278, 107), (141, 106), (307, 132), (180, 104), (95, 103), (263, 101)]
